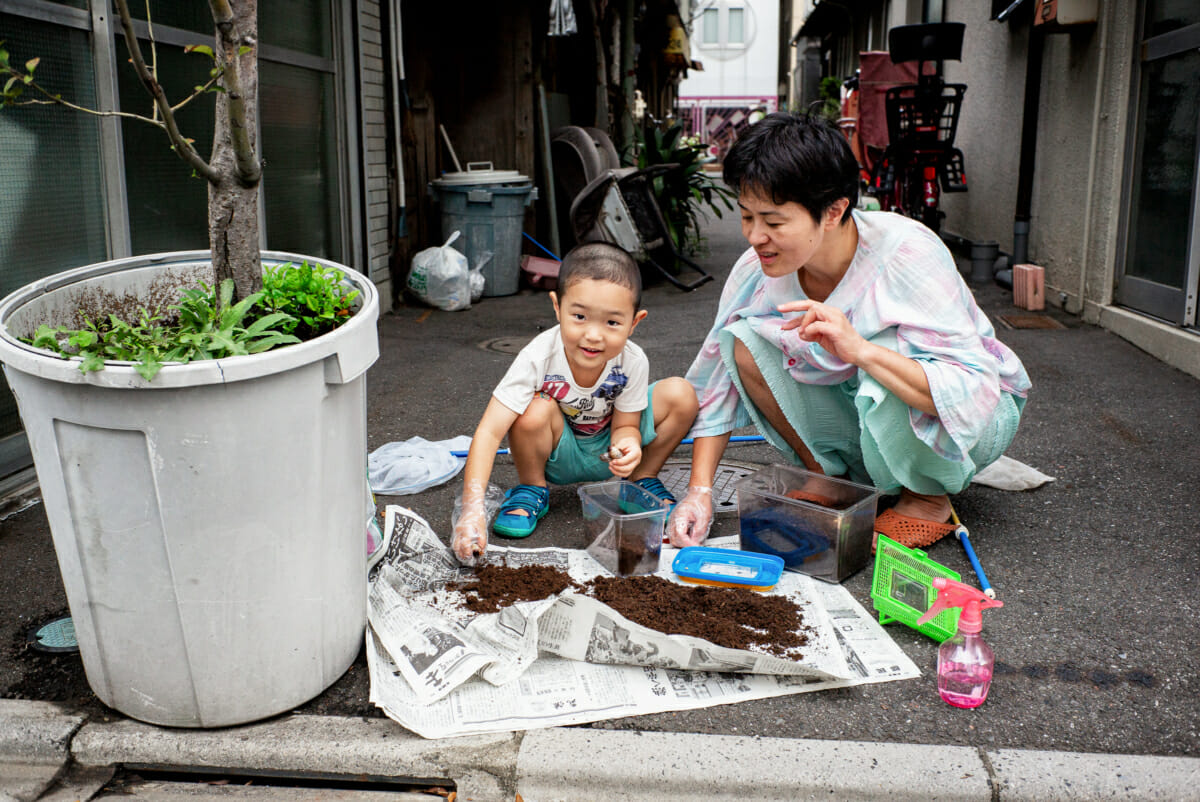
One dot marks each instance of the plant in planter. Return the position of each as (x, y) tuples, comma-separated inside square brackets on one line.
[(684, 191), (208, 516)]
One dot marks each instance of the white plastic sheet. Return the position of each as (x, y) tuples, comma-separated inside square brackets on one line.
[(416, 464)]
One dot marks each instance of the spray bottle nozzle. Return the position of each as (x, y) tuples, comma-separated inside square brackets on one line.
[(956, 594)]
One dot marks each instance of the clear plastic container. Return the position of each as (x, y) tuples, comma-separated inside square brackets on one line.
[(816, 524), (626, 524)]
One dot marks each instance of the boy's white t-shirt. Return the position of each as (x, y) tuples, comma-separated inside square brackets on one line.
[(542, 367)]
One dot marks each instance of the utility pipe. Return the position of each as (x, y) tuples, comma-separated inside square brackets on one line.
[(397, 60), (1029, 125)]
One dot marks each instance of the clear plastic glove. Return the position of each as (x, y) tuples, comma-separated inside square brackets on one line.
[(471, 525), (692, 518), (470, 535)]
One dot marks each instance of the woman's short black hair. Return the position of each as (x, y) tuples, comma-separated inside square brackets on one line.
[(801, 158), (603, 262)]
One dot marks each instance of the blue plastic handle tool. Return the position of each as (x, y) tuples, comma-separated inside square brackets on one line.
[(965, 539), (687, 441), (727, 567)]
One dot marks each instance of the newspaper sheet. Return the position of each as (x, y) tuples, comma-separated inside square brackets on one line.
[(441, 671)]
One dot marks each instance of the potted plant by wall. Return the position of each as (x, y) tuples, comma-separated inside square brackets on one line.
[(208, 515)]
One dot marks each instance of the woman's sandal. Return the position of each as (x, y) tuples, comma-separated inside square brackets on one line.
[(913, 533), (819, 499)]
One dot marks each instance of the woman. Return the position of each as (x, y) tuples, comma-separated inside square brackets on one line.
[(848, 339)]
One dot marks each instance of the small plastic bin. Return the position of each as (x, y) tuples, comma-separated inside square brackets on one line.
[(817, 525), (626, 525)]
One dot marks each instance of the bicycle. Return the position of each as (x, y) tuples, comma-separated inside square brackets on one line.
[(920, 161)]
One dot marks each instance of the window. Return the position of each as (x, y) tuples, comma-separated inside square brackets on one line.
[(737, 30), (726, 25), (712, 31)]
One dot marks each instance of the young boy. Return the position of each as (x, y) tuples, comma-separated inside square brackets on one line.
[(575, 403)]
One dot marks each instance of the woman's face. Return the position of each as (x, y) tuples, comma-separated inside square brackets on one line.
[(784, 236)]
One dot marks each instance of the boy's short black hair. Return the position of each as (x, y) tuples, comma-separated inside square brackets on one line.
[(602, 262), (801, 158)]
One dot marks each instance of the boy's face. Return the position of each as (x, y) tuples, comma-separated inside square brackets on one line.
[(596, 319)]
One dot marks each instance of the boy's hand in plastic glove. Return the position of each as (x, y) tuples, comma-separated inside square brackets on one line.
[(470, 535), (624, 456), (692, 518)]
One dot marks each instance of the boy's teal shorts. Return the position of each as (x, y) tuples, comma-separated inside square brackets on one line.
[(577, 459)]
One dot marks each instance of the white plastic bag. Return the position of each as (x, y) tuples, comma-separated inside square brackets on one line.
[(440, 277), (403, 468), (477, 278)]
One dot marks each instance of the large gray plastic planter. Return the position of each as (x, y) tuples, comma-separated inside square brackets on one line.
[(209, 524)]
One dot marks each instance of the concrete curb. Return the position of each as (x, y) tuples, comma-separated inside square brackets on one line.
[(580, 764), (35, 740)]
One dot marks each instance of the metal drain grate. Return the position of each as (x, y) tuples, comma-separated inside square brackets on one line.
[(675, 475), (1030, 322)]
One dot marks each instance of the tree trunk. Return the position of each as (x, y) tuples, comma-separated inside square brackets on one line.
[(233, 227)]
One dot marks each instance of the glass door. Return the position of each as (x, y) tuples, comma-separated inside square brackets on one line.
[(1162, 244)]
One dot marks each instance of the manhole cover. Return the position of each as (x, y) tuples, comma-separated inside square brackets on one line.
[(675, 476), (505, 345), (1030, 322)]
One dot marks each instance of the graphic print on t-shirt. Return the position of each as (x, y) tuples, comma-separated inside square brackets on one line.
[(587, 415)]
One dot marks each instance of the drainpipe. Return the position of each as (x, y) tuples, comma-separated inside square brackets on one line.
[(628, 79), (1029, 124)]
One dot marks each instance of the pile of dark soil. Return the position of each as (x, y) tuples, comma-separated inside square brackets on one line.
[(496, 586), (736, 618)]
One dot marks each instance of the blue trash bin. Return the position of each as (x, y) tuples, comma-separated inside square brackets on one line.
[(488, 207)]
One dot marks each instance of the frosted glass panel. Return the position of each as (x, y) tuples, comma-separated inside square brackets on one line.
[(168, 208), (300, 184), (1161, 212), (1163, 16), (51, 200), (303, 25)]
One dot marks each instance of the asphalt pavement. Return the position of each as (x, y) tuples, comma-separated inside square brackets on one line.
[(1095, 691)]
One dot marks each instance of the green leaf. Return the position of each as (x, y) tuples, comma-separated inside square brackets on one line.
[(271, 341), (244, 49), (31, 65), (148, 367), (204, 49), (91, 362), (268, 322), (3, 57), (46, 337)]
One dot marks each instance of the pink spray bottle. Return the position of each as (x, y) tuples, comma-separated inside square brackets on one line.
[(964, 667)]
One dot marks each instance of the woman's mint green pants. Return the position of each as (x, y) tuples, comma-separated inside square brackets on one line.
[(859, 428)]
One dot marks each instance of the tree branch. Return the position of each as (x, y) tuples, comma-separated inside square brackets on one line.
[(55, 100), (182, 146), (200, 90), (248, 167)]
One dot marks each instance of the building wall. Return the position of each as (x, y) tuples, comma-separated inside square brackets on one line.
[(751, 71), (372, 66), (989, 126), (1080, 144)]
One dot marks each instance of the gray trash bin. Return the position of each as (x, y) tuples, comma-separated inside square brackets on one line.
[(488, 207)]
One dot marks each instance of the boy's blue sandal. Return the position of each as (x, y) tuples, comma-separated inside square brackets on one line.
[(652, 485), (530, 498)]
